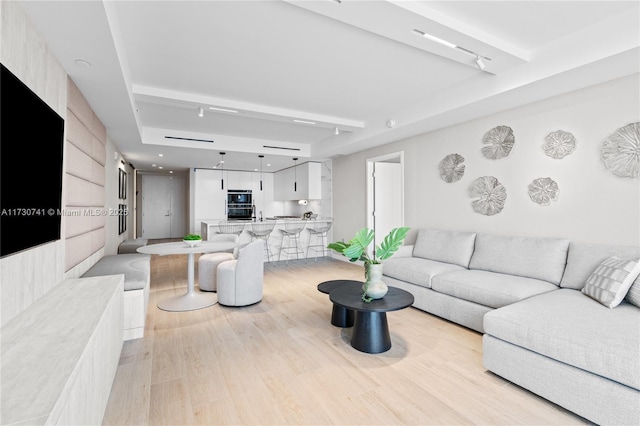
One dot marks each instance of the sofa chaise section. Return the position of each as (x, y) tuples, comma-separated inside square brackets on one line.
[(569, 348)]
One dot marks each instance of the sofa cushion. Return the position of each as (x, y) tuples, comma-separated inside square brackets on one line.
[(489, 288), (611, 280), (445, 246), (584, 258), (134, 266), (415, 270), (540, 258), (572, 328)]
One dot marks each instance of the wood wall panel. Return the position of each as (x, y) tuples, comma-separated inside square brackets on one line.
[(81, 192), (88, 219), (98, 151), (79, 164), (78, 105), (98, 173), (78, 134), (85, 182)]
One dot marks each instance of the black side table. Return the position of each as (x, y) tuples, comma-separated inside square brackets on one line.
[(370, 327), (341, 317)]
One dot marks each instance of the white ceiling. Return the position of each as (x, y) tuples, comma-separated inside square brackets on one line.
[(353, 65)]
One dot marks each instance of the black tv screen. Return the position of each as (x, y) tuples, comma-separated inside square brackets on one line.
[(31, 157)]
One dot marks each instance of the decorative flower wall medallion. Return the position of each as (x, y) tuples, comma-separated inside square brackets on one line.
[(499, 141), (451, 168), (543, 191), (490, 194), (559, 144), (621, 151)]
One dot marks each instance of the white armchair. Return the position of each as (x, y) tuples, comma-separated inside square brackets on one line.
[(240, 281)]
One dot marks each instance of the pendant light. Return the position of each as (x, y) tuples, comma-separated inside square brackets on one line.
[(222, 168), (261, 157), (295, 175)]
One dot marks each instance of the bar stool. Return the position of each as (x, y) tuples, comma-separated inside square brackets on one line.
[(318, 228), (227, 227), (291, 231), (262, 231)]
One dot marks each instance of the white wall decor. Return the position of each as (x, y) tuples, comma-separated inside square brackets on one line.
[(621, 151), (451, 168), (490, 195), (499, 141), (559, 144), (543, 190)]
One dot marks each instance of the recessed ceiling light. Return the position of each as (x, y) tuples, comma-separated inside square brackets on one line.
[(153, 165), (170, 171), (82, 63), (255, 170), (224, 110), (160, 167), (304, 122), (268, 165), (160, 155)]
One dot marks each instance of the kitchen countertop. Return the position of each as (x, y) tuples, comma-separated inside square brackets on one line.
[(214, 222)]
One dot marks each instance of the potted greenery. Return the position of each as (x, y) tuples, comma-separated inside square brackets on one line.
[(358, 249), (192, 240)]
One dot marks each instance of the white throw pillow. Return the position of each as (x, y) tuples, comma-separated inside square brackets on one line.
[(611, 280)]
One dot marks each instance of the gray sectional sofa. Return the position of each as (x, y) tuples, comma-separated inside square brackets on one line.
[(540, 331)]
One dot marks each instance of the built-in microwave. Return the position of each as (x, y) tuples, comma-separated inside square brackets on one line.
[(239, 204)]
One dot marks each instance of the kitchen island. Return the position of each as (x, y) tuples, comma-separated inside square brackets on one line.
[(210, 227)]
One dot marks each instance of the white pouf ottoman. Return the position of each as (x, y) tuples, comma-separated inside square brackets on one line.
[(208, 268)]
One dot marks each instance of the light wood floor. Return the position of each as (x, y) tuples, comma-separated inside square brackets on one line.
[(281, 362)]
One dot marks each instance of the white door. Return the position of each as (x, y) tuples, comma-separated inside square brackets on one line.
[(385, 194), (164, 207), (178, 204)]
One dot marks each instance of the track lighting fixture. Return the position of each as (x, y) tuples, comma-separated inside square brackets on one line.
[(479, 63), (201, 112)]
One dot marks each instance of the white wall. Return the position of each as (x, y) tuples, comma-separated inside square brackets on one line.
[(593, 206), (27, 275)]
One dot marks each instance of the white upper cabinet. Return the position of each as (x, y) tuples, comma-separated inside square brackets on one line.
[(302, 182)]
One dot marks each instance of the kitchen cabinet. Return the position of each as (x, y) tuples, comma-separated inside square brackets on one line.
[(301, 182), (211, 199)]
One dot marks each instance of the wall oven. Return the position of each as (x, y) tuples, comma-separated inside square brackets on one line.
[(239, 204)]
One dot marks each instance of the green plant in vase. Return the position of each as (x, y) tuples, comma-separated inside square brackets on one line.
[(358, 249)]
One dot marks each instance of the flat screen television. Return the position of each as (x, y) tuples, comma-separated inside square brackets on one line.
[(31, 167)]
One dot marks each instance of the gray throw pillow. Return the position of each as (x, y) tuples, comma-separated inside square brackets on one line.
[(611, 280)]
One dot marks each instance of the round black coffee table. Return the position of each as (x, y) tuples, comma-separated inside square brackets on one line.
[(370, 327), (341, 317)]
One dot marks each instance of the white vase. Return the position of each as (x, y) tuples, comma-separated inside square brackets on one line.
[(374, 287)]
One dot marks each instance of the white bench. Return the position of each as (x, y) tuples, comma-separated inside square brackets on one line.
[(137, 276), (60, 355), (132, 245)]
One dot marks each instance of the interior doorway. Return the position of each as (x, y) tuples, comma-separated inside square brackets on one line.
[(385, 194), (164, 206)]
